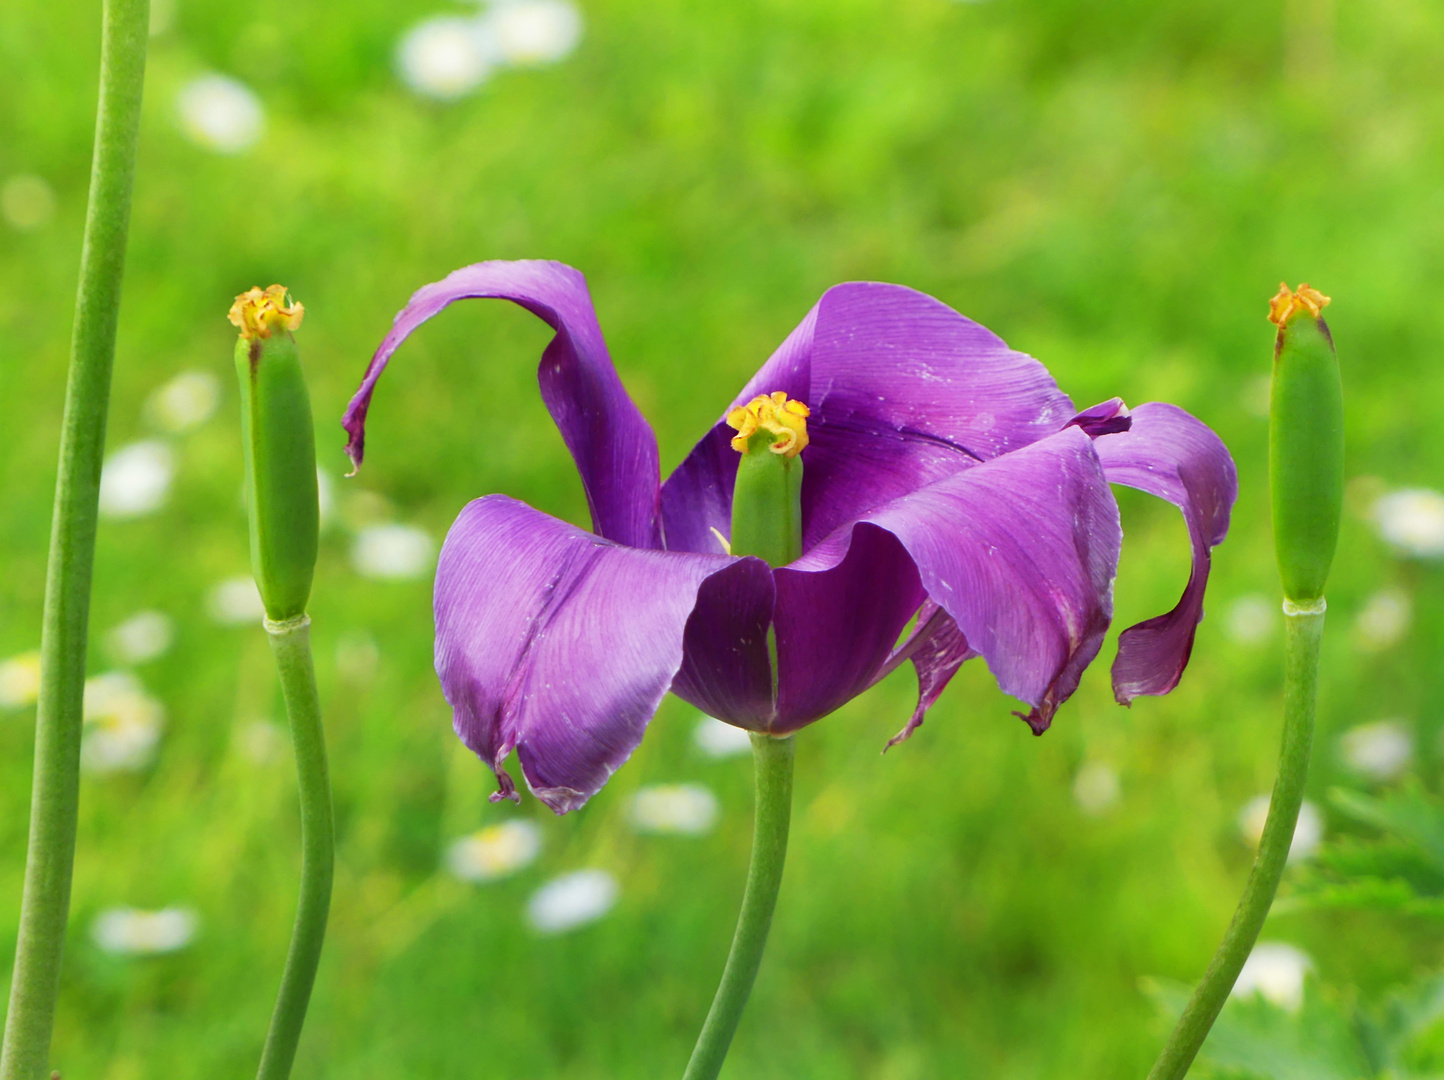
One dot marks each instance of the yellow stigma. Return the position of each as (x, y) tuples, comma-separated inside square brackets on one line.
[(258, 311), (775, 413), (1286, 304)]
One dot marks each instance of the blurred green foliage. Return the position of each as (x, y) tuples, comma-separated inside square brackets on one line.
[(1116, 189)]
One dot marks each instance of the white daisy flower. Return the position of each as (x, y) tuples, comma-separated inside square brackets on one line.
[(572, 900), (122, 724), (1412, 521), (136, 479), (20, 680), (1095, 788), (1308, 832), (221, 114), (444, 57), (184, 403), (677, 809), (1276, 971), (1382, 750), (495, 851), (127, 931), (393, 552), (720, 740), (143, 636), (1384, 620), (27, 203), (236, 601), (530, 32)]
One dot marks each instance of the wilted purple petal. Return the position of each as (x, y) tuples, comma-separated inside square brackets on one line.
[(1021, 551), (903, 391), (1170, 454), (556, 642), (614, 448), (836, 627), (937, 649)]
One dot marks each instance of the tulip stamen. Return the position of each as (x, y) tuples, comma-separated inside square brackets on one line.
[(776, 414)]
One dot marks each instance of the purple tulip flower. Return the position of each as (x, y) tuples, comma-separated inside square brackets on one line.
[(949, 484)]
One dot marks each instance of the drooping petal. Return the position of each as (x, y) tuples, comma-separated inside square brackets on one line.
[(938, 649), (1170, 454), (726, 670), (1021, 552), (903, 391), (836, 627), (557, 643), (614, 447)]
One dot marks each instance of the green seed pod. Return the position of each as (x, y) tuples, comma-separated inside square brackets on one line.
[(280, 451), (767, 495), (1306, 443)]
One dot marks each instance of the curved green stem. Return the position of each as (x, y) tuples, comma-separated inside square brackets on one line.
[(291, 644), (1301, 679), (54, 798), (773, 760)]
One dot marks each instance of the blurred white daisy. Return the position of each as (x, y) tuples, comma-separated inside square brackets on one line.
[(1381, 750), (260, 741), (131, 932), (143, 636), (236, 601), (122, 724), (678, 809), (1276, 971), (393, 552), (529, 32), (1384, 620), (136, 479), (27, 202), (720, 740), (19, 680), (221, 114), (1308, 832), (571, 900), (184, 403), (1251, 619), (445, 57), (1095, 788), (495, 851), (1412, 521)]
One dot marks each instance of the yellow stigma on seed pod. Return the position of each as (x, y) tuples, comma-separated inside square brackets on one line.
[(775, 413), (1286, 303), (258, 311)]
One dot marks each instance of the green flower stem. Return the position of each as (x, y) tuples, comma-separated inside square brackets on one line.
[(45, 908), (1305, 625), (291, 644), (773, 760)]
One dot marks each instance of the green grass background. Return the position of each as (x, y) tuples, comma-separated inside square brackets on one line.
[(1114, 188)]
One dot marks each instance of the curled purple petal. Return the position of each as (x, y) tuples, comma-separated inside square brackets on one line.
[(937, 649), (1170, 454), (613, 445), (726, 671), (836, 626), (903, 390), (1108, 418), (1021, 552), (557, 643)]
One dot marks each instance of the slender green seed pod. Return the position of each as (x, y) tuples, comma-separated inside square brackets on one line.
[(280, 451), (1306, 443), (767, 495)]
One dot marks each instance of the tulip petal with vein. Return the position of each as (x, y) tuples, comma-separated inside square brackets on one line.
[(947, 478)]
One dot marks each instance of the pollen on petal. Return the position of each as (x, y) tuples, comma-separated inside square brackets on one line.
[(775, 413), (1286, 303), (257, 312)]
